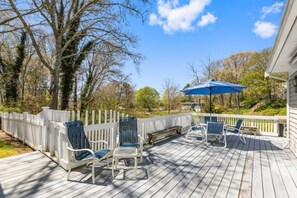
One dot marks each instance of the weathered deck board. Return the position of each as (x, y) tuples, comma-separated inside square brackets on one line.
[(173, 168), (279, 187), (247, 177), (257, 185)]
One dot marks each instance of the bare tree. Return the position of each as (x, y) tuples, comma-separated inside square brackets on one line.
[(100, 21), (195, 73), (169, 94), (99, 69)]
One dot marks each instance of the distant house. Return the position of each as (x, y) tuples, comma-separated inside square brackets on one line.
[(190, 106), (284, 59)]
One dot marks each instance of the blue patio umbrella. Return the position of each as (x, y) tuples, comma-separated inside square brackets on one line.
[(212, 87)]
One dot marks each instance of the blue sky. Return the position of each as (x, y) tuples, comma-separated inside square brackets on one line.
[(179, 32)]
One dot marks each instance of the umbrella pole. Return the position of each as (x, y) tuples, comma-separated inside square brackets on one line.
[(238, 104), (210, 107)]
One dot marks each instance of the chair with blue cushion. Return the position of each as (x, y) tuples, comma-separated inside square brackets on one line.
[(210, 119), (80, 149), (216, 129), (128, 135), (237, 130), (196, 129)]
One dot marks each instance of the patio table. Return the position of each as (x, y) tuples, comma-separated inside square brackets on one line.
[(124, 153)]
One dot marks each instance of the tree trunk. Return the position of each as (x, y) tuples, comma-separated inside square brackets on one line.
[(75, 94), (222, 99), (55, 89), (56, 73)]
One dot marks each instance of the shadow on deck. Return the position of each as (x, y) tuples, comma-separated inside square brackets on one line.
[(172, 167)]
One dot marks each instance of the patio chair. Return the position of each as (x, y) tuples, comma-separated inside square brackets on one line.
[(213, 119), (128, 135), (196, 129), (216, 129), (81, 149), (236, 129)]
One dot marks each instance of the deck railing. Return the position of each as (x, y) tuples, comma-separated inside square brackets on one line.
[(264, 124), (47, 133)]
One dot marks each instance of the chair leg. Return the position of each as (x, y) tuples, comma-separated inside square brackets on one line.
[(241, 137), (112, 168), (93, 172), (69, 170), (141, 154), (135, 166), (107, 162), (206, 141), (225, 139)]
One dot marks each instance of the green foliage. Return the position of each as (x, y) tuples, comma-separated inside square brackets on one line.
[(219, 109), (11, 71), (12, 107), (250, 102), (147, 98)]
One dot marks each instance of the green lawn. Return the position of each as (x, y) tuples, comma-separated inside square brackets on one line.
[(10, 146)]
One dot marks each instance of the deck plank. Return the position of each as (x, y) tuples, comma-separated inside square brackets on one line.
[(268, 188), (234, 188), (257, 186), (226, 181), (203, 186), (172, 168), (280, 157), (216, 180), (153, 170), (247, 177), (278, 183)]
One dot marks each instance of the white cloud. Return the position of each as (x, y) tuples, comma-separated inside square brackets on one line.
[(174, 17), (274, 8), (264, 29), (207, 19)]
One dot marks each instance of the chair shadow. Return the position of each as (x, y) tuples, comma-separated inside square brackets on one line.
[(1, 191)]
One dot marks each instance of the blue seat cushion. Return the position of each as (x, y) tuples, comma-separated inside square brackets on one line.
[(99, 154), (130, 144), (232, 130)]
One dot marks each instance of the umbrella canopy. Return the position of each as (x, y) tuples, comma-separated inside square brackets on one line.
[(212, 87)]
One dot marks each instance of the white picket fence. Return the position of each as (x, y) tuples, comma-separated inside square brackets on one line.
[(46, 131), (265, 124)]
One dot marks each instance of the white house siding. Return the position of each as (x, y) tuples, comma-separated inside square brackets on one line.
[(293, 116)]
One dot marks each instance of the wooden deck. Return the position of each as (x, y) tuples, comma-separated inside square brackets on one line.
[(172, 168)]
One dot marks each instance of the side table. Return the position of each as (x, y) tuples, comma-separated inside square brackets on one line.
[(124, 152)]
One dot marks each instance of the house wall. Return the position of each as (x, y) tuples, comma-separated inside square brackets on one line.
[(292, 115)]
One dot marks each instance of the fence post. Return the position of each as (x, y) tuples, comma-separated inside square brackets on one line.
[(110, 116), (25, 116), (86, 117), (73, 115), (93, 116), (99, 117), (275, 124), (78, 115), (46, 133)]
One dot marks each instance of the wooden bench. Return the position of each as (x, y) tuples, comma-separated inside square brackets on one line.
[(250, 129), (163, 133)]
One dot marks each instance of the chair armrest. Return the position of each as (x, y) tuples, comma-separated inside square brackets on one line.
[(77, 150), (230, 127), (118, 141), (140, 139)]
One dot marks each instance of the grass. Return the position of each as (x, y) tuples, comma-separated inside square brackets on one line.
[(10, 146)]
